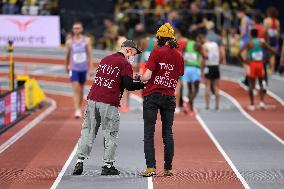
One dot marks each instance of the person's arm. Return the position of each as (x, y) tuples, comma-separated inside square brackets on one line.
[(223, 54), (205, 51), (245, 47), (90, 56), (131, 84), (150, 67), (198, 47), (269, 48), (68, 51), (278, 28), (282, 56), (243, 27), (147, 75)]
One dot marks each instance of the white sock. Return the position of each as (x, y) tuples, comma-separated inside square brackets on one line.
[(108, 165), (80, 160)]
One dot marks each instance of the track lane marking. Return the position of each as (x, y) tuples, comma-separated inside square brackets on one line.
[(29, 126)]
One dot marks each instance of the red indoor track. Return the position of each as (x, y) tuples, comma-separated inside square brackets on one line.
[(35, 160)]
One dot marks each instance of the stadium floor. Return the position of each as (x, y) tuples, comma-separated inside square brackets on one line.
[(231, 148)]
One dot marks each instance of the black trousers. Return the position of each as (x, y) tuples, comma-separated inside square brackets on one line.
[(151, 105)]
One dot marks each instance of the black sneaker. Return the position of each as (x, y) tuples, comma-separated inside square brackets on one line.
[(78, 168), (109, 171)]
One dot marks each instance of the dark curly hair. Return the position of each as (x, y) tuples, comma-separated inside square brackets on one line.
[(172, 42)]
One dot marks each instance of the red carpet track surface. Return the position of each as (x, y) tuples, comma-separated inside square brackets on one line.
[(272, 117), (197, 162), (35, 160)]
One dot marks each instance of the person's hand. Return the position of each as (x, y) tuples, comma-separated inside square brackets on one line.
[(91, 74), (137, 77), (193, 27), (67, 69)]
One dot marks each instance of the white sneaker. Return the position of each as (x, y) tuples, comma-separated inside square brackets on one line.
[(177, 110), (78, 114), (262, 105), (251, 107)]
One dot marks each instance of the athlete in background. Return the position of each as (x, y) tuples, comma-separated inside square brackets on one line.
[(255, 70), (79, 60), (210, 68), (182, 41), (272, 33), (245, 26), (192, 76)]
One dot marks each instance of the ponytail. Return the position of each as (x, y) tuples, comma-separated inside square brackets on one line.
[(173, 43)]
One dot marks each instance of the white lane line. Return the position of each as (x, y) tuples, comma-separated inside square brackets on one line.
[(221, 150), (150, 182), (29, 126), (64, 168), (279, 78), (276, 97), (270, 93), (67, 163), (237, 104), (219, 147), (140, 100)]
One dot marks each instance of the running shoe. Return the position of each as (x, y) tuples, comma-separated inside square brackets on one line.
[(186, 107), (168, 172), (177, 110), (78, 114), (192, 113), (109, 170), (262, 105), (78, 168), (149, 172), (251, 107)]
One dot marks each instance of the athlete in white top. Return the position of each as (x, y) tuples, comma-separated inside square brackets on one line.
[(210, 68)]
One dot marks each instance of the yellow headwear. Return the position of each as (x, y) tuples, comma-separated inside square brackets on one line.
[(166, 30)]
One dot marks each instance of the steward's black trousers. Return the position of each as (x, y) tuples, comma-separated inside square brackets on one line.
[(166, 104)]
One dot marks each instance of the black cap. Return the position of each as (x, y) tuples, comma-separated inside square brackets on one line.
[(132, 44)]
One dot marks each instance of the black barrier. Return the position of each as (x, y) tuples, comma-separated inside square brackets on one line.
[(12, 108)]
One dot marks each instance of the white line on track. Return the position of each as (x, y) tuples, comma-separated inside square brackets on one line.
[(219, 147), (29, 126), (237, 104), (64, 168), (150, 182), (222, 151), (270, 93), (67, 163)]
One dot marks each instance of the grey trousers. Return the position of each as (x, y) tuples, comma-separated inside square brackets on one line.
[(99, 114)]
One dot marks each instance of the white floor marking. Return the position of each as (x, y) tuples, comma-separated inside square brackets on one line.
[(237, 104), (150, 183), (64, 168), (221, 150), (270, 93), (29, 126), (140, 100)]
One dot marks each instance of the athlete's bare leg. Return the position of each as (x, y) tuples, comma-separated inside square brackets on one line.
[(262, 91), (216, 84), (207, 93), (77, 98), (251, 88), (81, 95), (272, 64)]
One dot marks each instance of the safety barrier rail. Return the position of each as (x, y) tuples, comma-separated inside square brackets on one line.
[(12, 108)]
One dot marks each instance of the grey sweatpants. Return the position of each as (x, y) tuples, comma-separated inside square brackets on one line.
[(99, 114)]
